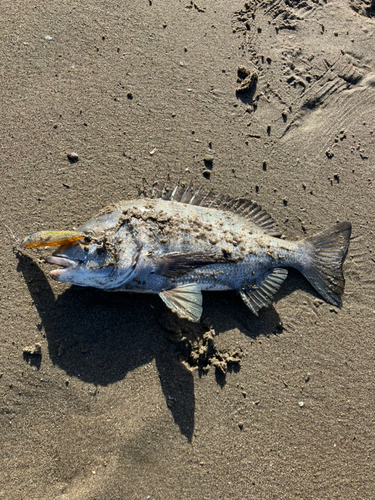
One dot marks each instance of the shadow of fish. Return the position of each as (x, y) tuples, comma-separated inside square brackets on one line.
[(178, 242)]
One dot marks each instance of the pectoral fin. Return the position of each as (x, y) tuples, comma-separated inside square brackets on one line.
[(176, 264), (262, 294), (185, 301)]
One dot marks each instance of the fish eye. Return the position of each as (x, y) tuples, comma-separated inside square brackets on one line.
[(89, 236)]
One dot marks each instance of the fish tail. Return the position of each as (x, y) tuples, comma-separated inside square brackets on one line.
[(327, 252)]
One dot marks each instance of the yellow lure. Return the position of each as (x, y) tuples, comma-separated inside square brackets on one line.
[(51, 238)]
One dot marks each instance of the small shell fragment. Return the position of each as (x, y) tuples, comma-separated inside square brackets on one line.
[(51, 238)]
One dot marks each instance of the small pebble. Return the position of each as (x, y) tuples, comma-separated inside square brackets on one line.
[(48, 38), (72, 157), (301, 404), (208, 162)]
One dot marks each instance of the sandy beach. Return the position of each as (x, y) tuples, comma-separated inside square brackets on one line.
[(109, 396)]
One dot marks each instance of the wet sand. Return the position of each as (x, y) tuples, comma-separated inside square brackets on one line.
[(115, 404)]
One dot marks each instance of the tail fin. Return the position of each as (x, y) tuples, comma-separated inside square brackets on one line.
[(327, 252)]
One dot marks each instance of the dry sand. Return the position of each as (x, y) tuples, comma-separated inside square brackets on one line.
[(110, 405)]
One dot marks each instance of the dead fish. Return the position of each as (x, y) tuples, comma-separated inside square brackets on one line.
[(177, 243)]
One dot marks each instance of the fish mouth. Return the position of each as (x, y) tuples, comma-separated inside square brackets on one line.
[(64, 263)]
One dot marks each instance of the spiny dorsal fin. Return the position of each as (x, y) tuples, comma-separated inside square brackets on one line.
[(263, 294), (185, 301), (241, 206)]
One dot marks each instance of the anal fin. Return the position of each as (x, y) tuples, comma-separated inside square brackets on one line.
[(185, 301), (262, 295)]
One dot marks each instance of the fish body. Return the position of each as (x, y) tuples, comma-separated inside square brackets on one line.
[(183, 244)]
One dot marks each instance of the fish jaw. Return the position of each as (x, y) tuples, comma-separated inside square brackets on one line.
[(76, 273), (65, 264), (77, 267)]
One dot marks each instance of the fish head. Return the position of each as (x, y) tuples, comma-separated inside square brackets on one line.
[(101, 259)]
